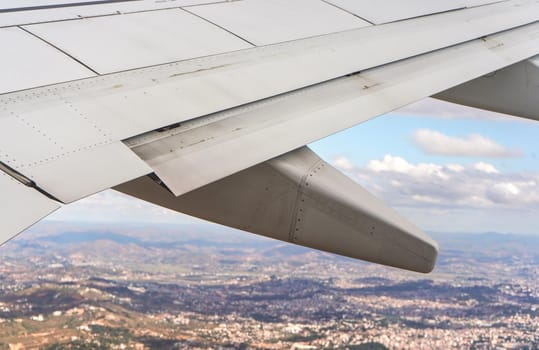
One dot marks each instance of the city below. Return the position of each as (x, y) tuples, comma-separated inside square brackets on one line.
[(201, 286)]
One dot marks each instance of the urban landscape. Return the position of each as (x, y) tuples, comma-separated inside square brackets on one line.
[(202, 286)]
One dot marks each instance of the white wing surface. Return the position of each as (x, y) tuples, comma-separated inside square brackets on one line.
[(168, 100)]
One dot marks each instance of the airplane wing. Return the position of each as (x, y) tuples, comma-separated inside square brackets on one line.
[(205, 106)]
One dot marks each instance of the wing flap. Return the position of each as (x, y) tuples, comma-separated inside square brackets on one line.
[(231, 141), (21, 206), (81, 174)]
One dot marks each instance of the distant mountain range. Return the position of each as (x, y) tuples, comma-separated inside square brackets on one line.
[(208, 236)]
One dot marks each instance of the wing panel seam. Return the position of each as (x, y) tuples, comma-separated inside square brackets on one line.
[(218, 26), (60, 50), (349, 12)]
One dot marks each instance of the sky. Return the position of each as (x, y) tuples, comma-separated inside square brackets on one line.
[(445, 167)]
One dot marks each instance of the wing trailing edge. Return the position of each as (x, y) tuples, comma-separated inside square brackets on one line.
[(301, 199)]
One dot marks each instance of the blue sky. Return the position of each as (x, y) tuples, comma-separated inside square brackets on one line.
[(482, 176), (393, 134), (445, 167)]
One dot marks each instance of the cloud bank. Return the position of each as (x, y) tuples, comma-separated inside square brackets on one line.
[(435, 143), (480, 185)]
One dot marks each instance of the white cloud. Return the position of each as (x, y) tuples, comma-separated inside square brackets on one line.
[(486, 168), (390, 163), (399, 165), (425, 199), (508, 188), (343, 163), (423, 185), (457, 168), (475, 145)]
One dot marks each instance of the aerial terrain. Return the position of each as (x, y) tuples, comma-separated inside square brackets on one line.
[(201, 286)]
